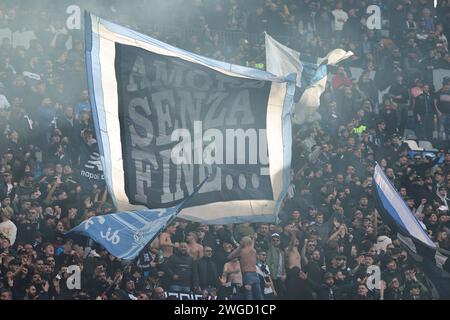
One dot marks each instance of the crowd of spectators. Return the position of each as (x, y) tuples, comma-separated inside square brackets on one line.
[(331, 231)]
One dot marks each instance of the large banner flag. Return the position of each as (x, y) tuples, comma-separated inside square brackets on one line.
[(413, 235), (166, 118), (312, 74)]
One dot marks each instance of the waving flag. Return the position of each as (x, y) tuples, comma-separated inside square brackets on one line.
[(312, 74), (125, 234), (282, 60), (413, 236), (404, 219), (166, 118)]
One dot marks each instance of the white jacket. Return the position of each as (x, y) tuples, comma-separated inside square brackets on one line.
[(9, 229)]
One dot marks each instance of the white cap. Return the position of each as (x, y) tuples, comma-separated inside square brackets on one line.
[(275, 235)]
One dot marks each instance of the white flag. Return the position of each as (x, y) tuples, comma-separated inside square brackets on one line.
[(282, 60), (311, 77)]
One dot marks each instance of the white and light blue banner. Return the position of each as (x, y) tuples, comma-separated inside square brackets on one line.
[(125, 234), (166, 118), (412, 234), (398, 211), (312, 74)]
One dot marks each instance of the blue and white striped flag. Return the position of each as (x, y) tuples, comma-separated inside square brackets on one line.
[(413, 236), (404, 219), (312, 74)]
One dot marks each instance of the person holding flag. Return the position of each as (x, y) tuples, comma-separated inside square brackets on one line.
[(413, 236)]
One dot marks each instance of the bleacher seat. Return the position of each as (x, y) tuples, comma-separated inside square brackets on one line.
[(412, 144), (427, 146)]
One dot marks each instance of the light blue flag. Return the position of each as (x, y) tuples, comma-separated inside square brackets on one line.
[(125, 234), (398, 211), (433, 261)]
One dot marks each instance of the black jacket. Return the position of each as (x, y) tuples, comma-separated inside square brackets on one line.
[(314, 271), (296, 288), (183, 266), (424, 105), (205, 274), (220, 258)]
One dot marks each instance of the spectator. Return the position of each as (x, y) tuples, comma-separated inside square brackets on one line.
[(165, 241), (425, 113), (261, 242), (265, 278), (231, 278), (6, 295), (7, 228), (442, 104), (277, 264), (247, 255), (195, 250), (340, 18), (220, 256), (158, 294), (4, 103), (393, 291), (84, 104), (428, 20), (362, 293), (293, 256), (205, 272), (130, 289), (297, 285), (400, 96), (180, 269)]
